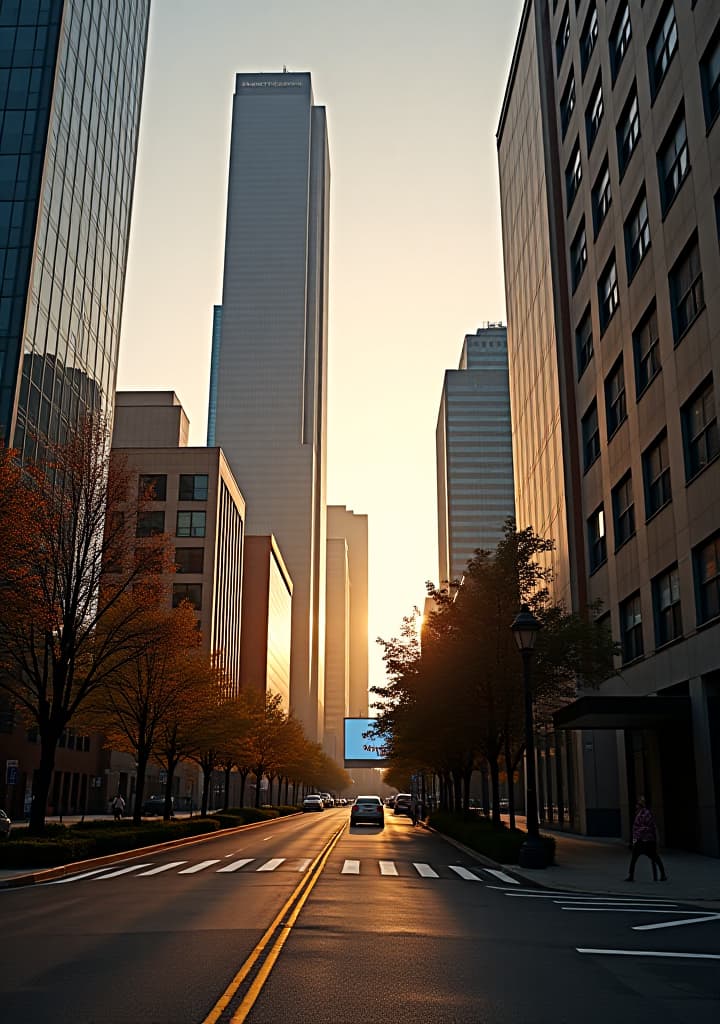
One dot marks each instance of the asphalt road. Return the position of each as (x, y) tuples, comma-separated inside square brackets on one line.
[(386, 926)]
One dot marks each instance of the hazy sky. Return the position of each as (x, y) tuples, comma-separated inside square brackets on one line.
[(413, 91)]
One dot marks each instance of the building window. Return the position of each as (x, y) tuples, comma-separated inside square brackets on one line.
[(666, 606), (615, 404), (584, 342), (710, 78), (567, 103), (700, 430), (588, 38), (663, 44), (628, 129), (563, 38), (594, 113), (189, 559), (656, 476), (578, 255), (631, 636), (687, 297), (623, 511), (597, 541), (706, 560), (646, 348), (608, 293), (620, 37), (637, 234), (190, 524), (193, 487), (152, 488), (673, 160), (601, 196), (590, 436), (149, 524), (191, 592), (573, 174)]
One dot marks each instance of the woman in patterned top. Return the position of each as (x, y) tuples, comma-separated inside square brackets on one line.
[(644, 837)]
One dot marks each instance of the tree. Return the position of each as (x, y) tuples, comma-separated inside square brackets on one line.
[(75, 598)]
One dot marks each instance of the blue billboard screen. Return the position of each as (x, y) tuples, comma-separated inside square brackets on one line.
[(362, 749)]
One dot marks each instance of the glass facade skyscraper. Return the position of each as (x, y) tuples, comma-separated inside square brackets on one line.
[(71, 77)]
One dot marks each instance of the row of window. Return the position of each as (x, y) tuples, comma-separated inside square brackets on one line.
[(667, 605), (188, 524), (191, 487)]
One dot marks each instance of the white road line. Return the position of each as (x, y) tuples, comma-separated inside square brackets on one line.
[(199, 867), (581, 899), (163, 867), (387, 867), (235, 866), (502, 876), (272, 864), (304, 864), (464, 873), (676, 924), (122, 871), (425, 871), (623, 910), (651, 952), (614, 903), (268, 838), (77, 878), (351, 867)]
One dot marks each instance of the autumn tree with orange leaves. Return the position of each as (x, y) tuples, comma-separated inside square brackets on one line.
[(75, 598)]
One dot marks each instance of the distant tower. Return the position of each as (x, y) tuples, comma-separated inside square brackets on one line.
[(474, 452), (269, 361)]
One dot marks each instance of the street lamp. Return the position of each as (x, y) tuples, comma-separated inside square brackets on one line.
[(525, 629)]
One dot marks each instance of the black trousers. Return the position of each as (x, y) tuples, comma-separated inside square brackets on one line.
[(649, 848)]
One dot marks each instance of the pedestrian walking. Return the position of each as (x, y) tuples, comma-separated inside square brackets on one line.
[(644, 841), (118, 807)]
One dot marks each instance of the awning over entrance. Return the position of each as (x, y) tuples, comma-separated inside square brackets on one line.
[(596, 712)]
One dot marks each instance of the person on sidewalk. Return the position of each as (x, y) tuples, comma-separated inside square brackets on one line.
[(118, 807), (644, 839)]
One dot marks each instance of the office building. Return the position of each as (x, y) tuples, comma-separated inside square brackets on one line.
[(270, 360), (266, 620), (474, 452), (609, 155), (337, 647), (351, 527), (71, 79)]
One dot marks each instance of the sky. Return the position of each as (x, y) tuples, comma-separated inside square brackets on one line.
[(413, 90)]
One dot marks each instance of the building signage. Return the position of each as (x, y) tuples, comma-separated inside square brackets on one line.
[(12, 772), (362, 748), (279, 84)]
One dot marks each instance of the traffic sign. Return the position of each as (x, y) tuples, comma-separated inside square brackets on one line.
[(12, 772)]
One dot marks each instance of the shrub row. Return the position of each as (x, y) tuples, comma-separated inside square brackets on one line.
[(499, 844)]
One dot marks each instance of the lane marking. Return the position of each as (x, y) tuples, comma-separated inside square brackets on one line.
[(199, 867), (387, 867), (676, 924), (268, 838), (581, 899), (651, 952), (76, 878), (502, 876), (236, 865), (304, 864), (272, 864), (351, 867), (122, 871), (464, 873), (163, 867), (425, 871), (622, 910)]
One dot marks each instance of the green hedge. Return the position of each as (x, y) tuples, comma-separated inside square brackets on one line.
[(499, 844)]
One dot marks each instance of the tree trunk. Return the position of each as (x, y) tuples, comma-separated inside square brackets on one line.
[(258, 778), (495, 783), (41, 781), (170, 766), (243, 779), (485, 789), (226, 793), (287, 784), (457, 790), (510, 773), (207, 779), (142, 762), (467, 776)]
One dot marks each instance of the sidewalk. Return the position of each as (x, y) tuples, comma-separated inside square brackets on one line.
[(601, 865)]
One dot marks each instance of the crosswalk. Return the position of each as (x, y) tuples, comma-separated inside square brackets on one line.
[(345, 868), (594, 903)]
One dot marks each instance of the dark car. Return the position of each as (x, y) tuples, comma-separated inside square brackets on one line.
[(5, 825), (368, 809), (403, 804), (156, 805)]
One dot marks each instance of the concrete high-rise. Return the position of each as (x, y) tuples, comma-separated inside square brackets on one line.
[(609, 154), (270, 346), (474, 452), (344, 525), (71, 79)]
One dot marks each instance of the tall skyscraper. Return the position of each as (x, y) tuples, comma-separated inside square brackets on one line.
[(609, 154), (474, 452), (270, 363), (344, 525), (71, 79)]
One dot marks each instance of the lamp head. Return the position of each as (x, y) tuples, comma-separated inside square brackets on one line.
[(525, 629)]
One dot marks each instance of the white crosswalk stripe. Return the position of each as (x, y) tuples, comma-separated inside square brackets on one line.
[(163, 867), (122, 871), (193, 870), (304, 864), (464, 873), (387, 867), (502, 876), (272, 864), (351, 867), (425, 871), (235, 866)]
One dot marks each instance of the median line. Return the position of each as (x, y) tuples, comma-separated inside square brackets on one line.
[(271, 943)]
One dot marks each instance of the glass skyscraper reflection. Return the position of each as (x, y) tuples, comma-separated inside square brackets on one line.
[(71, 77)]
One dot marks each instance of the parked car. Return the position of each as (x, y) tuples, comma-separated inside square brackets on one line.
[(313, 802), (368, 809), (328, 800), (156, 805), (389, 801), (403, 804), (5, 825)]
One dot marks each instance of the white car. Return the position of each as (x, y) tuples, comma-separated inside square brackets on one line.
[(313, 802)]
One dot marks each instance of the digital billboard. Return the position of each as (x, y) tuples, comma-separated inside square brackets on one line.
[(362, 749)]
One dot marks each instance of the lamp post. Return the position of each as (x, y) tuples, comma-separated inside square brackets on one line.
[(525, 629)]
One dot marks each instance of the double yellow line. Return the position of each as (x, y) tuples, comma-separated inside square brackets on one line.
[(275, 938)]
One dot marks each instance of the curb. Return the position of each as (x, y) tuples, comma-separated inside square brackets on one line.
[(49, 874), (480, 857)]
